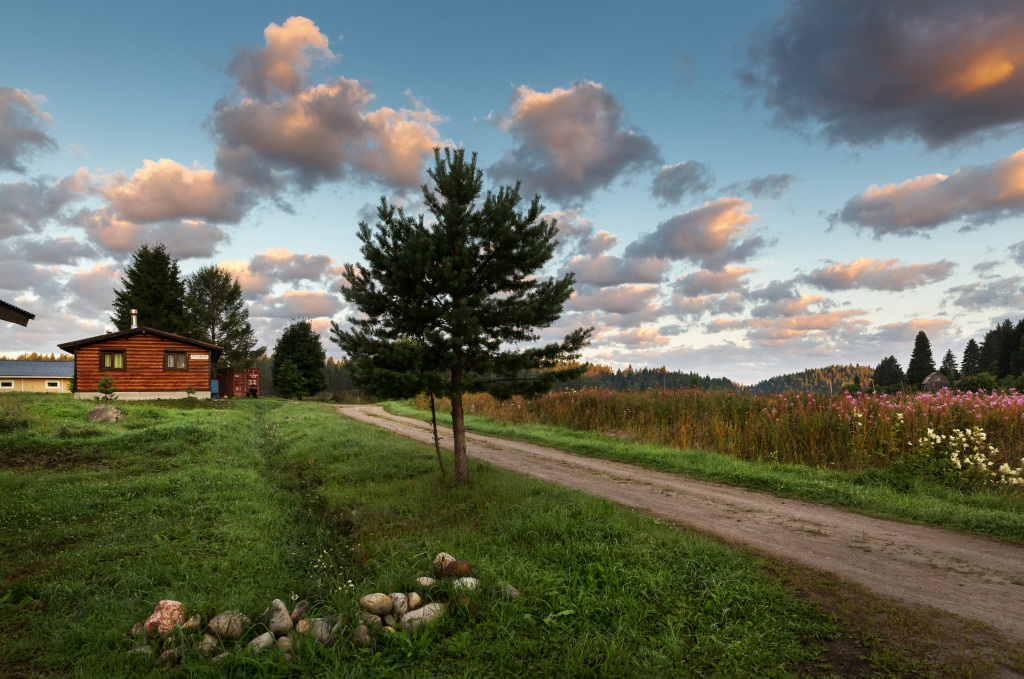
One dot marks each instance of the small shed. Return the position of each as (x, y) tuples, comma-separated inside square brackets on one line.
[(9, 312), (145, 363), (935, 381), (48, 377)]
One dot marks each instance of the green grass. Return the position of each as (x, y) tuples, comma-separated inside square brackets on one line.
[(883, 493), (230, 507)]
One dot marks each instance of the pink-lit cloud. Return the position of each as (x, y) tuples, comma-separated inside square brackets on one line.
[(674, 182), (638, 337), (296, 304), (22, 129), (570, 142), (1002, 293), (704, 282), (623, 299), (283, 64), (605, 269), (878, 274)]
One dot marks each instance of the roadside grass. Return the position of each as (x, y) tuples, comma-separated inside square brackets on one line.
[(877, 492), (226, 506)]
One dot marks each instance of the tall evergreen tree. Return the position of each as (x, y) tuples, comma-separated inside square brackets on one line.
[(464, 290), (216, 313), (921, 362), (888, 373), (948, 367), (152, 285), (300, 346), (971, 363)]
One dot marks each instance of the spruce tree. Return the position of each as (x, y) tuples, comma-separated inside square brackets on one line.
[(152, 285), (888, 373), (299, 345), (216, 313), (948, 367), (971, 363), (455, 300), (921, 362)]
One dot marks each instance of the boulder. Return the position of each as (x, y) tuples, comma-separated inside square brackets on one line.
[(302, 626), (209, 644), (285, 644), (170, 656), (400, 604), (425, 582), (229, 625), (138, 630), (421, 616), (457, 569), (415, 600), (376, 603), (265, 640), (441, 561), (300, 610), (322, 629), (370, 620), (166, 616), (466, 585), (362, 635), (508, 590), (192, 624), (390, 621), (280, 619), (105, 413)]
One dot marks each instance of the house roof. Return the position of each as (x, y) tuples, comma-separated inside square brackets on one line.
[(9, 368), (72, 347), (935, 377), (9, 312)]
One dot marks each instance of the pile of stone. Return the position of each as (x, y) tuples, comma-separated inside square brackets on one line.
[(165, 630)]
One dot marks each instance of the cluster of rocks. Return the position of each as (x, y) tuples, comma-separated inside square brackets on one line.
[(286, 630)]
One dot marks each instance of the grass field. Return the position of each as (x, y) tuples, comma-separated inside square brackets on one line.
[(230, 504), (908, 491)]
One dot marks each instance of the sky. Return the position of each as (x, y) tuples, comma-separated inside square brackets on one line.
[(742, 189)]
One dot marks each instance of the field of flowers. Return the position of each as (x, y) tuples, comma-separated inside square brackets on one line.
[(945, 431)]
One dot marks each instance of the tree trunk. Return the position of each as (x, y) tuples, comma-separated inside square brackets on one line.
[(437, 442), (459, 428)]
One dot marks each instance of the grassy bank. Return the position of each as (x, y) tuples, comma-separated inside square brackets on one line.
[(225, 506), (880, 492)]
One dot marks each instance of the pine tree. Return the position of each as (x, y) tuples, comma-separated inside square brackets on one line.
[(300, 345), (971, 363), (921, 362), (948, 367), (152, 285), (453, 299), (216, 313), (888, 373)]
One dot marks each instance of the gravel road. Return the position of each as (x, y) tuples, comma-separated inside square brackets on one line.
[(969, 576)]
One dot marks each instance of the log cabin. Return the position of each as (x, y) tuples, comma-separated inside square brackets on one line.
[(144, 363)]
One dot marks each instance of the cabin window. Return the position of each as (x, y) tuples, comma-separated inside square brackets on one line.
[(6, 385), (53, 385), (175, 360), (112, 360)]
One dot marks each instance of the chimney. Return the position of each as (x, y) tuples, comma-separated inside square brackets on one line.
[(135, 319)]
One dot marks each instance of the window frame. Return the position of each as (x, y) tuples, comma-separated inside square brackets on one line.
[(53, 385), (7, 384), (176, 368), (111, 352)]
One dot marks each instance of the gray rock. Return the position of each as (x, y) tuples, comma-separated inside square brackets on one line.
[(170, 656), (508, 590), (105, 413), (425, 582), (192, 624), (322, 629), (466, 585), (400, 604), (138, 630), (265, 640), (370, 620), (142, 649), (376, 603), (229, 625), (285, 644), (441, 561), (415, 601), (390, 621), (421, 616), (389, 629), (280, 620), (300, 610), (362, 635), (302, 626), (218, 658), (209, 644)]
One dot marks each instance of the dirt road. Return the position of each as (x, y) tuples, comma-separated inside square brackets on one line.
[(920, 565)]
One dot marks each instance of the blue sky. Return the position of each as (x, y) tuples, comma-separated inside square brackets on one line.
[(744, 189)]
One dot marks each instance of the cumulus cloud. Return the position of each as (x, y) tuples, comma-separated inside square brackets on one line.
[(576, 234), (638, 337), (184, 238), (603, 270), (570, 142), (297, 303), (622, 299), (904, 332), (293, 133), (1000, 293), (22, 129), (92, 290), (278, 265), (1017, 252), (55, 251), (729, 279), (796, 306), (774, 332), (978, 194), (769, 186), (695, 306), (674, 182), (863, 71), (26, 207), (710, 235), (878, 274)]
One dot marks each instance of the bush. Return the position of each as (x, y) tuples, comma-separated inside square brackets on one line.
[(975, 382)]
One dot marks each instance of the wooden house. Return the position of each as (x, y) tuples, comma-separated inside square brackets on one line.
[(935, 381), (13, 314), (48, 377), (144, 363)]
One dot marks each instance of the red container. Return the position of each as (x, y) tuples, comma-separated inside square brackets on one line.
[(240, 383)]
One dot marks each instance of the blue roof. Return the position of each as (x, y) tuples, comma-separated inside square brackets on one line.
[(9, 368)]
